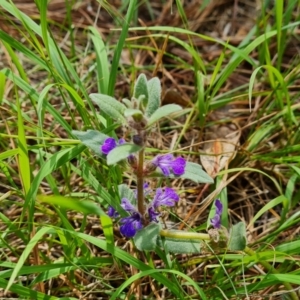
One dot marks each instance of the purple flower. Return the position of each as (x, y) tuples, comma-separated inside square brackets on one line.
[(216, 220), (112, 212), (166, 197), (146, 188), (153, 214), (126, 205), (168, 164), (109, 144), (130, 225), (134, 222)]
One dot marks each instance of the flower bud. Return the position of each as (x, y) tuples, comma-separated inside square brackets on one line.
[(149, 168), (138, 140), (132, 160), (137, 124)]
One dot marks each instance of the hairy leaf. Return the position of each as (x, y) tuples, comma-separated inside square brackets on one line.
[(110, 106), (121, 152), (195, 173), (163, 112), (141, 89), (146, 238), (154, 94), (126, 192), (182, 246), (93, 139), (237, 239), (135, 113)]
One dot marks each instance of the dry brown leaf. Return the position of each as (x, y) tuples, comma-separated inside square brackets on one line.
[(220, 151)]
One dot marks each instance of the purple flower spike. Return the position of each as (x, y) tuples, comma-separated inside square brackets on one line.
[(166, 197), (168, 164), (216, 220), (130, 225), (109, 144)]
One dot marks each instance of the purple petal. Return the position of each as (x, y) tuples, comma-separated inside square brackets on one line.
[(122, 141), (162, 160), (170, 193), (216, 220), (178, 166), (108, 145), (168, 197), (165, 170), (112, 212), (130, 225), (127, 205), (219, 207), (153, 214), (168, 164)]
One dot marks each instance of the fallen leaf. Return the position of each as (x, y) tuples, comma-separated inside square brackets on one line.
[(219, 152)]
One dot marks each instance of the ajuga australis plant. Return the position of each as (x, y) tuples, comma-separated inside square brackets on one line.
[(139, 215)]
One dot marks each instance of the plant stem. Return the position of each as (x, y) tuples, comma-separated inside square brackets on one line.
[(140, 182), (183, 235), (272, 270)]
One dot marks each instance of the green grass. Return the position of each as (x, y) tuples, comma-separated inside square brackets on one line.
[(54, 246)]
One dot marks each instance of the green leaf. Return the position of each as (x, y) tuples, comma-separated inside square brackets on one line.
[(141, 89), (182, 246), (146, 238), (126, 192), (121, 152), (128, 103), (107, 225), (237, 239), (26, 252), (25, 292), (93, 139), (2, 85), (127, 259), (23, 157), (9, 153), (163, 112), (110, 106), (145, 274), (192, 172), (195, 173), (85, 207), (154, 93), (132, 7), (102, 60), (136, 114), (56, 160), (272, 203)]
